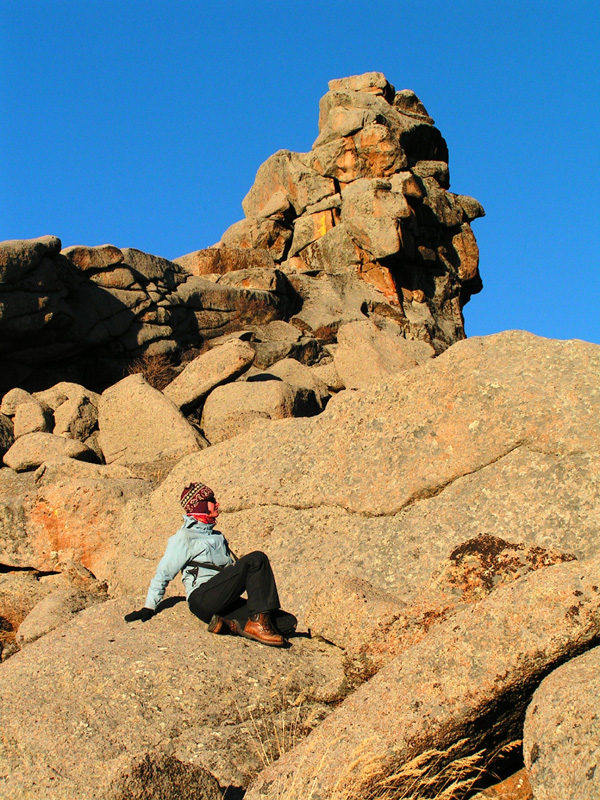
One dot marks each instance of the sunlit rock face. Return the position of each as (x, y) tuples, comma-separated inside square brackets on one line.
[(371, 198)]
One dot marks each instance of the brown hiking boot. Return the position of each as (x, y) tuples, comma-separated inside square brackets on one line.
[(219, 624), (259, 628)]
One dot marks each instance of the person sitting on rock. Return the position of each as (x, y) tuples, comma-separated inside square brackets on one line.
[(214, 581)]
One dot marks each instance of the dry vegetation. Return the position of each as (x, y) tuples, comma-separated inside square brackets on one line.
[(158, 370), (431, 775)]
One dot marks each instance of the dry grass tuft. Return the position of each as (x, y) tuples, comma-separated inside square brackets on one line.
[(281, 723), (158, 370), (431, 775)]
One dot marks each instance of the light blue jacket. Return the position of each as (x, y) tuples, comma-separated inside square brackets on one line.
[(194, 541)]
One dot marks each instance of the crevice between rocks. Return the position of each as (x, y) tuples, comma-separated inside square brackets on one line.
[(423, 494)]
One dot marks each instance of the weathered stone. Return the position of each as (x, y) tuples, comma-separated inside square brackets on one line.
[(158, 775), (32, 417), (117, 279), (13, 399), (55, 609), (264, 280), (515, 787), (347, 610), (433, 169), (92, 258), (63, 391), (302, 377), (389, 627), (309, 228), (334, 252), (478, 692), (289, 173), (231, 409), (219, 365), (326, 372), (20, 256), (407, 102), (32, 449), (19, 593), (7, 435), (222, 260), (373, 82), (329, 301), (447, 210), (367, 355), (467, 251), (154, 268), (407, 478), (561, 739), (76, 418), (139, 424), (142, 673), (472, 208), (65, 515)]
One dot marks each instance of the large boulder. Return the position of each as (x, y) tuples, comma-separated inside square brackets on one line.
[(33, 449), (207, 371), (473, 698), (56, 608), (302, 377), (365, 354), (66, 512), (373, 626), (32, 417), (385, 484), (138, 424), (231, 409), (156, 688), (561, 740)]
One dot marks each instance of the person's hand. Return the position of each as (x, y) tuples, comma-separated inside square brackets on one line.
[(144, 614)]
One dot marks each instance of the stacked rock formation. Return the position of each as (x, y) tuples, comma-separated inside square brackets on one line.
[(94, 307), (371, 198), (361, 226)]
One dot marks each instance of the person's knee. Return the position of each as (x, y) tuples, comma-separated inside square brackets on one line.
[(257, 557)]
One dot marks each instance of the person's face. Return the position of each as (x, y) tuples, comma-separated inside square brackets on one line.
[(213, 509)]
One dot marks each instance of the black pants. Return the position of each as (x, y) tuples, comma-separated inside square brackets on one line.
[(222, 594)]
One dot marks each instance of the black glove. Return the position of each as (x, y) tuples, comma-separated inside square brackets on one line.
[(144, 614)]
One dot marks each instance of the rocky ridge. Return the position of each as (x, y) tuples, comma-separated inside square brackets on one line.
[(361, 226), (430, 512), (443, 508)]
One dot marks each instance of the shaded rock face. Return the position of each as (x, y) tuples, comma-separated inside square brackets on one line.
[(363, 224), (561, 740), (100, 307), (371, 198)]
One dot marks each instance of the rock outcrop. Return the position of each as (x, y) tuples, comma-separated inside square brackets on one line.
[(561, 741), (470, 680), (434, 508), (372, 198), (497, 436), (361, 225), (113, 694), (100, 307)]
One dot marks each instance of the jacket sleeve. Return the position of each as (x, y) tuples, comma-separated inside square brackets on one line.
[(174, 559)]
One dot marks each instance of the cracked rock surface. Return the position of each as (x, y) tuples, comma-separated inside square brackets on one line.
[(78, 707), (499, 435)]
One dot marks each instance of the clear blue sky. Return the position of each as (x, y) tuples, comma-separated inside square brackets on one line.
[(142, 123)]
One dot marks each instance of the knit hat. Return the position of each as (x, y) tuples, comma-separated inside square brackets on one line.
[(194, 497)]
